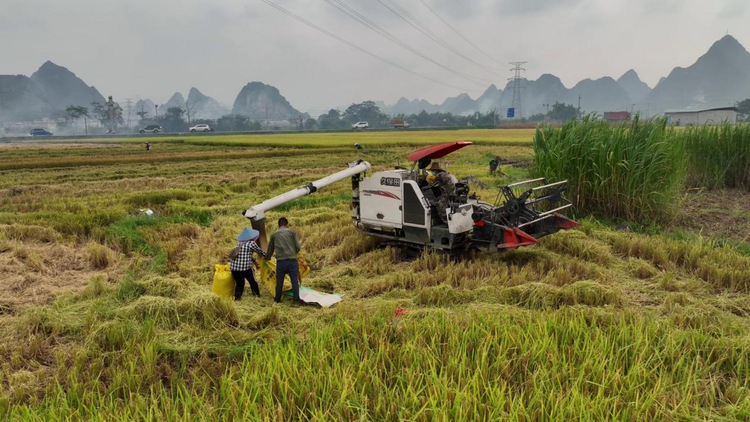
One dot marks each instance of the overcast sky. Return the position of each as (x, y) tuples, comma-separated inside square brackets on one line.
[(152, 48)]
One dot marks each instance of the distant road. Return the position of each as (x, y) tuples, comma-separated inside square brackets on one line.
[(256, 132)]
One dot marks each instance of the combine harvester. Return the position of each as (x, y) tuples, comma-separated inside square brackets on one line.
[(401, 206)]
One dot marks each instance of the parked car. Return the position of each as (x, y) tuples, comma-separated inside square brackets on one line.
[(201, 128), (360, 125), (40, 132), (400, 124), (152, 129)]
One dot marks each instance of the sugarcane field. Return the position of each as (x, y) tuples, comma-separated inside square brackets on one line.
[(585, 271)]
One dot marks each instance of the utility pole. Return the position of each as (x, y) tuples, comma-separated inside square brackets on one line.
[(517, 69), (579, 105), (111, 113), (156, 107), (546, 105)]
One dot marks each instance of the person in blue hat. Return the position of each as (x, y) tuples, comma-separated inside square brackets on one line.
[(242, 262)]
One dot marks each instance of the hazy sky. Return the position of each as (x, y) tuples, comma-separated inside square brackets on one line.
[(152, 48)]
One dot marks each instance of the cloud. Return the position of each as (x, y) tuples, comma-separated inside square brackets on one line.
[(514, 7), (733, 8)]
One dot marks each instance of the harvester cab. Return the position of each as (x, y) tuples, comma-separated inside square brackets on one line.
[(427, 207)]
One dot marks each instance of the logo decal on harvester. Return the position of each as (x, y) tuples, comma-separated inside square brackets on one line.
[(390, 181), (381, 193)]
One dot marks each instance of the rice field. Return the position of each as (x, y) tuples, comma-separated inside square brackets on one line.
[(336, 139), (107, 314)]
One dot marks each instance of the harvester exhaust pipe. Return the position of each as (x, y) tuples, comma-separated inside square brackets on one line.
[(257, 213)]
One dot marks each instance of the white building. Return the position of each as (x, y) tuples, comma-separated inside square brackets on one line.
[(701, 117)]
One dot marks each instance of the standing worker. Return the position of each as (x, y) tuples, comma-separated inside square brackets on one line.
[(286, 245), (242, 262)]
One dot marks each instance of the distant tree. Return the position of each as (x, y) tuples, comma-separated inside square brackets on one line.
[(562, 112), (331, 120), (311, 124), (175, 112), (237, 123), (743, 108), (366, 111), (424, 119), (76, 112), (141, 111), (537, 117), (108, 114), (189, 109), (172, 120)]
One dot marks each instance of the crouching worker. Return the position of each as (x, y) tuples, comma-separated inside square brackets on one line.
[(285, 244), (242, 262)]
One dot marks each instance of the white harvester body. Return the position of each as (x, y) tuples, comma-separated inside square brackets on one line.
[(401, 205)]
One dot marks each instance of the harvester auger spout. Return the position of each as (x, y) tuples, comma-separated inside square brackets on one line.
[(257, 213)]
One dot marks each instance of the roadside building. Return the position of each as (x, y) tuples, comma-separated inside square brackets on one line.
[(616, 116), (701, 117)]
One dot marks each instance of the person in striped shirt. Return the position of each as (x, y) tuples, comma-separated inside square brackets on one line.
[(242, 265)]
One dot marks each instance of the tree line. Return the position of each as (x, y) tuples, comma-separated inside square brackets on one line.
[(179, 119)]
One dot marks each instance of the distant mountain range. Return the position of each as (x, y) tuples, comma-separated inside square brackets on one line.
[(201, 106), (45, 94), (603, 94), (264, 102), (719, 77)]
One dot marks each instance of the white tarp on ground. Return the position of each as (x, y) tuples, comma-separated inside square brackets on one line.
[(325, 300)]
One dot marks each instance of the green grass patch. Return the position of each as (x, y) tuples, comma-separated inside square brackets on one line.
[(719, 155)]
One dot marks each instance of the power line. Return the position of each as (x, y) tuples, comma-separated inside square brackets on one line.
[(358, 48), (349, 11), (456, 31), (407, 17), (484, 28)]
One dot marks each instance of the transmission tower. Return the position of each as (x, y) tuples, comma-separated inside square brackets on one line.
[(517, 69), (129, 108)]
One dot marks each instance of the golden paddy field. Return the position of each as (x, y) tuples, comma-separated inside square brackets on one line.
[(106, 314)]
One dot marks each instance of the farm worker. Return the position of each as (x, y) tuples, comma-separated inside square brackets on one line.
[(493, 165), (242, 262), (358, 146), (285, 243), (447, 185), (148, 146)]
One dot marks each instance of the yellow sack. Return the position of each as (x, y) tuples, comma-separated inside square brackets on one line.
[(223, 281), (268, 274)]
